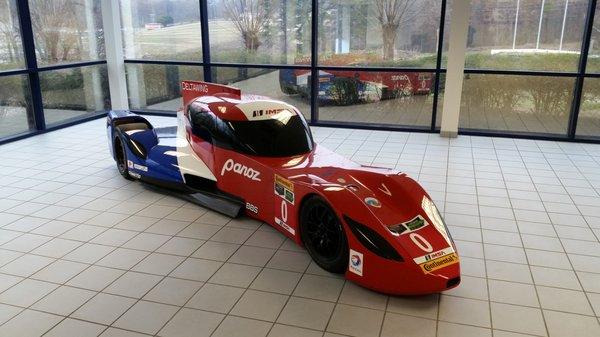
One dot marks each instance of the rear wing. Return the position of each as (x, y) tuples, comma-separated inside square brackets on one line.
[(191, 90)]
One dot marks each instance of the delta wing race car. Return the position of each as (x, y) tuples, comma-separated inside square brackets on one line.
[(245, 154)]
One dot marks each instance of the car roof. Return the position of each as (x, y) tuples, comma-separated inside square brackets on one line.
[(249, 108)]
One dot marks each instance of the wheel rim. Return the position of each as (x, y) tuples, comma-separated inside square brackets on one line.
[(323, 231), (120, 154)]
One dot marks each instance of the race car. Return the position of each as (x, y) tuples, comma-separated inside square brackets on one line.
[(249, 155), (345, 87)]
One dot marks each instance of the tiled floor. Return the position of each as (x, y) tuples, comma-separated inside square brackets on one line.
[(85, 253)]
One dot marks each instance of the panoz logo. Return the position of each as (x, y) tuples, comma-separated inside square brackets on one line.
[(240, 169), (266, 112), (356, 262), (400, 78), (194, 87)]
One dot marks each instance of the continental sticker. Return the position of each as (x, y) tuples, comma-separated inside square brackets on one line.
[(439, 263), (284, 188), (434, 255)]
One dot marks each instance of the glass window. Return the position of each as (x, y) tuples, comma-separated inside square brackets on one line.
[(379, 32), (533, 104), (593, 61), (16, 112), (260, 31), (67, 30), (588, 123), (274, 83), (158, 87), (161, 29), (523, 35), (11, 51), (392, 97), (69, 94)]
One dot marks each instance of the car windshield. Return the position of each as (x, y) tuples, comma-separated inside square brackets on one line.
[(276, 137)]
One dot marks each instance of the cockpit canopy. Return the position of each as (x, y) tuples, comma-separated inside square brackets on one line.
[(266, 132)]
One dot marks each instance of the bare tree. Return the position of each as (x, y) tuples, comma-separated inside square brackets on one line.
[(9, 30), (251, 19), (391, 14), (57, 26)]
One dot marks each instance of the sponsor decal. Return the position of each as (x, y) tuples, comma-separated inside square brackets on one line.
[(240, 169), (412, 225), (356, 262), (285, 226), (373, 202), (252, 208), (434, 255), (416, 223), (284, 188), (341, 180), (265, 112), (439, 263), (129, 164), (140, 167), (198, 87), (134, 175)]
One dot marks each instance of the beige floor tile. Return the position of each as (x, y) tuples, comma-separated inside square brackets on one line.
[(518, 319), (277, 281), (420, 306), (464, 311), (242, 327), (29, 323), (306, 313), (259, 305), (564, 324), (319, 287), (215, 297), (64, 300), (190, 322), (146, 317), (173, 291), (355, 321), (103, 308), (75, 327), (196, 269), (459, 330), (236, 275)]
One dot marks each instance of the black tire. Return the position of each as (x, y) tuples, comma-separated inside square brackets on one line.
[(323, 235), (121, 157)]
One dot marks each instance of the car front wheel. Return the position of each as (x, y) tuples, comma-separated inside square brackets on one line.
[(323, 235)]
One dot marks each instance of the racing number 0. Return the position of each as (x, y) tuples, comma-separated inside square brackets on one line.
[(284, 211), (421, 242)]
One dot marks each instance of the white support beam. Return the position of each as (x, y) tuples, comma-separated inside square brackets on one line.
[(111, 20), (457, 50)]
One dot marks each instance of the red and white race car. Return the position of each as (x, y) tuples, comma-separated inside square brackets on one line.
[(248, 154)]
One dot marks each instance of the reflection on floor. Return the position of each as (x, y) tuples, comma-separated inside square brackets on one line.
[(14, 120), (85, 252)]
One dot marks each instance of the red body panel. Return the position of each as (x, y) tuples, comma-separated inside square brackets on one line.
[(274, 189)]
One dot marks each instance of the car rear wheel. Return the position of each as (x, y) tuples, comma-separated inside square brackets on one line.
[(323, 235), (121, 158)]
